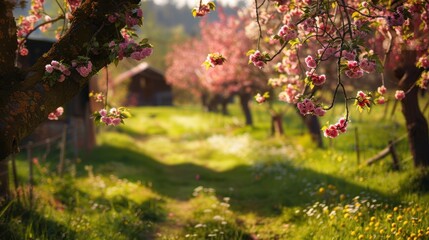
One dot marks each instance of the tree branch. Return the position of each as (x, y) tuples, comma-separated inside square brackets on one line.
[(26, 104)]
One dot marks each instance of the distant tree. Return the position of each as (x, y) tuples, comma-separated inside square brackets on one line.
[(225, 38)]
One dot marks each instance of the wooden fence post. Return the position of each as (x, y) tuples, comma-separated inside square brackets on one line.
[(62, 150), (14, 174), (357, 149), (394, 156), (30, 174)]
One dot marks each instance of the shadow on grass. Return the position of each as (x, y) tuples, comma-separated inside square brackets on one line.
[(263, 195), (17, 222)]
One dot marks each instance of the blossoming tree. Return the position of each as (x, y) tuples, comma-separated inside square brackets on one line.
[(220, 67), (358, 38), (93, 34)]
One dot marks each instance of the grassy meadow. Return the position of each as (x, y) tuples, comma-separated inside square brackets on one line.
[(182, 173)]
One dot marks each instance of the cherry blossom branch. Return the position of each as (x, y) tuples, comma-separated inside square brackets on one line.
[(107, 85), (257, 21), (386, 54), (39, 26)]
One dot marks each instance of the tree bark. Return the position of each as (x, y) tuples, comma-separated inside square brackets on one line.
[(25, 99), (244, 103), (4, 180), (276, 124), (416, 123), (313, 125)]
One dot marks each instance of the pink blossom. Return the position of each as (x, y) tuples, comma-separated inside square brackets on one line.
[(61, 78), (83, 70), (55, 114), (348, 55), (52, 116), (326, 52), (382, 89), (106, 120), (257, 59), (259, 98), (116, 121), (288, 32), (23, 51), (399, 95), (55, 64), (320, 80), (310, 61), (423, 62), (341, 125), (331, 132), (103, 112), (367, 65), (49, 68), (319, 111), (381, 100), (59, 111)]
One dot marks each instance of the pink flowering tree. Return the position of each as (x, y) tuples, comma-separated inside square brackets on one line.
[(221, 70), (320, 44), (95, 34)]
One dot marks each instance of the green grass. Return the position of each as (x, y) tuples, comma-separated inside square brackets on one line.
[(181, 173)]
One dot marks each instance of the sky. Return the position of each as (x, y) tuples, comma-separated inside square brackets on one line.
[(194, 3)]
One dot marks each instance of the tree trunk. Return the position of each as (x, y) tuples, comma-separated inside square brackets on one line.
[(224, 104), (4, 180), (416, 123), (313, 125), (25, 99), (276, 124), (244, 103)]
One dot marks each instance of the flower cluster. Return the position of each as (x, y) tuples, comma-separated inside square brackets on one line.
[(314, 79), (55, 114), (363, 100), (98, 97), (203, 9), (73, 4), (262, 98), (25, 25), (133, 18), (424, 80), (307, 106), (112, 117), (332, 131), (84, 69), (423, 61), (287, 32), (396, 18), (353, 70), (380, 92), (257, 58), (399, 95), (310, 61), (129, 48), (56, 72), (214, 59)]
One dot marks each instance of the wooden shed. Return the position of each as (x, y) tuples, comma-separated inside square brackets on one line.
[(77, 112), (147, 87)]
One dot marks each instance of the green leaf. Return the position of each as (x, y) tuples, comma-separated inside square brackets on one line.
[(250, 52), (293, 42), (212, 5)]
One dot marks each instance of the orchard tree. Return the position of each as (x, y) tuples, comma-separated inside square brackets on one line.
[(359, 38), (92, 35), (217, 62)]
